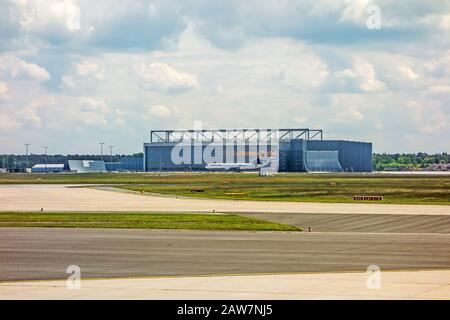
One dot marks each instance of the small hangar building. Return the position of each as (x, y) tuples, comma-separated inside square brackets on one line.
[(86, 166), (48, 168)]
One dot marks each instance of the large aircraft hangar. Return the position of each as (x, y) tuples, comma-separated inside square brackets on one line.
[(293, 150)]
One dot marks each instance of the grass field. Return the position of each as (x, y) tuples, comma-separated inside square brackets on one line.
[(312, 188), (412, 189), (129, 220)]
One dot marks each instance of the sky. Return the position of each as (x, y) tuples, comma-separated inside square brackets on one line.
[(74, 73)]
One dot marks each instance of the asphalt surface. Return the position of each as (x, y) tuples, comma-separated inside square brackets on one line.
[(45, 253), (345, 237), (391, 223), (421, 285), (64, 198)]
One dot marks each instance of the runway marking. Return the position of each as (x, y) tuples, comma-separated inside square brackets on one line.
[(377, 233), (255, 274), (72, 198)]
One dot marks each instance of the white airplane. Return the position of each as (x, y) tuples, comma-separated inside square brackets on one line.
[(255, 165)]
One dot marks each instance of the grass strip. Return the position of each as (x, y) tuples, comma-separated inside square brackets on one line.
[(129, 220)]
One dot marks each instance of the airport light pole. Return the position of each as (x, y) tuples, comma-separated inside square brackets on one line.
[(101, 149), (111, 153), (46, 149), (26, 155)]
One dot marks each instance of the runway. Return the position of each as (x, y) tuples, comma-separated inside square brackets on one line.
[(231, 264), (45, 253), (64, 198), (392, 285), (364, 223)]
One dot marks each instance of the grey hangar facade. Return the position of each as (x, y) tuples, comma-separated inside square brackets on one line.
[(295, 150)]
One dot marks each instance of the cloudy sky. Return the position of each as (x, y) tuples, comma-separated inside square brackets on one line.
[(76, 72)]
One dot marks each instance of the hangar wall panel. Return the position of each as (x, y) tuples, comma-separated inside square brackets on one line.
[(323, 161), (352, 156)]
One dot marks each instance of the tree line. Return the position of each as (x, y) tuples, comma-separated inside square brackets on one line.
[(381, 161), (408, 161)]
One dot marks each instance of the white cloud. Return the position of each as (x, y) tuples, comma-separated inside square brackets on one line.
[(29, 116), (347, 73), (308, 72), (354, 11), (444, 22), (4, 91), (440, 89), (219, 89), (439, 66), (65, 113), (347, 108), (92, 112), (349, 114), (300, 119), (20, 68), (125, 63), (126, 72), (161, 77), (82, 24), (428, 117), (30, 70), (367, 74), (68, 81), (362, 76), (6, 123), (39, 15), (160, 111), (85, 73), (408, 73), (87, 68)]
